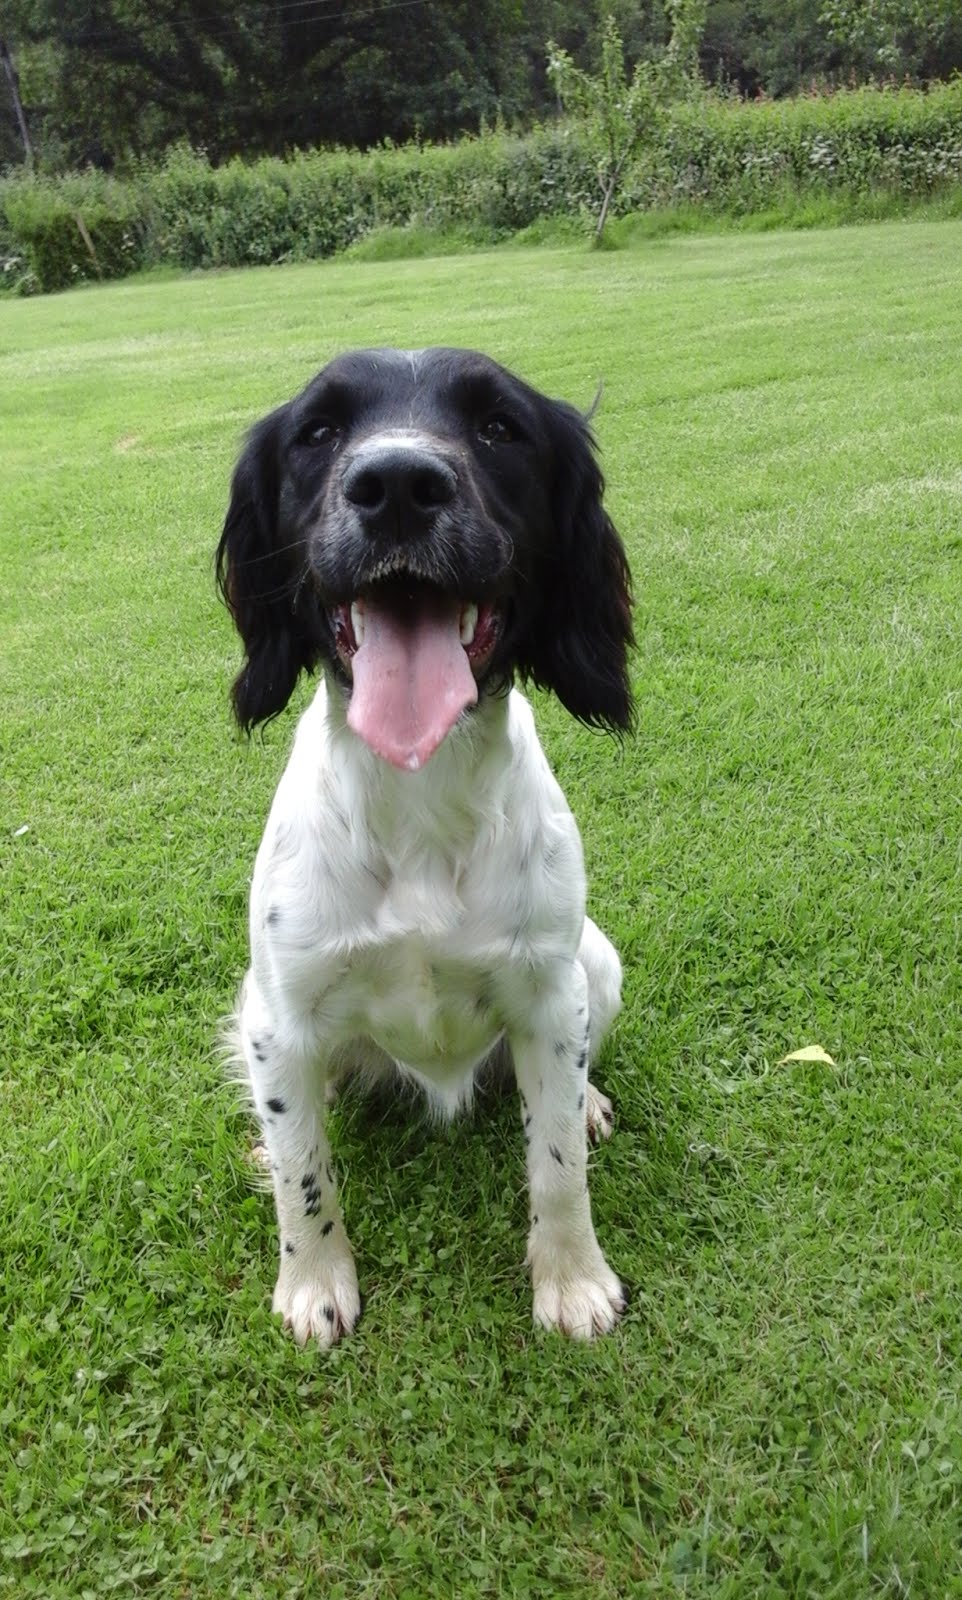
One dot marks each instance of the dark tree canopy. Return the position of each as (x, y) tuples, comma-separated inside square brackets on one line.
[(108, 81)]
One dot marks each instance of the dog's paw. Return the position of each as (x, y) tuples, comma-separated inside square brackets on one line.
[(600, 1114), (579, 1303), (318, 1298)]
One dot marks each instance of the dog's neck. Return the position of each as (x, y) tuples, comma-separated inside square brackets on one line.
[(455, 794)]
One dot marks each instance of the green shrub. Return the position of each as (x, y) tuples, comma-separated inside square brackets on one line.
[(735, 156), (833, 155), (64, 232)]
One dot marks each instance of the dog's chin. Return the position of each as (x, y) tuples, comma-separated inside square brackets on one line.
[(413, 656)]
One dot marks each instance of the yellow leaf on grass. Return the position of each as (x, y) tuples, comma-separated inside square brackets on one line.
[(811, 1052)]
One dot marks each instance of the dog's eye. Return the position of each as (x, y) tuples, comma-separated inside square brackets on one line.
[(321, 431), (497, 429)]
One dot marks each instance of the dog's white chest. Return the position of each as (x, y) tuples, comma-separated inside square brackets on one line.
[(419, 913), (426, 1012)]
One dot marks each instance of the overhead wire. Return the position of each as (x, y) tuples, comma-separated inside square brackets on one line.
[(321, 11)]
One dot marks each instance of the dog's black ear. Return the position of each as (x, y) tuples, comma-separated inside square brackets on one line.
[(259, 572), (581, 628)]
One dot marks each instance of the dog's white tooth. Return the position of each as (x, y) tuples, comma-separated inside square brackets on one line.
[(357, 623), (469, 621)]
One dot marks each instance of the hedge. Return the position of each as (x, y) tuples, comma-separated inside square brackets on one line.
[(728, 156)]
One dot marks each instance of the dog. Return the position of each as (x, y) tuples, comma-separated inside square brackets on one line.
[(425, 528)]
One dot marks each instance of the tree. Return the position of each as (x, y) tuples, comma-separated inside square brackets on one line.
[(773, 47), (921, 38), (108, 80), (619, 113)]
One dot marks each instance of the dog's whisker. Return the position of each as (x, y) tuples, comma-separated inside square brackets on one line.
[(272, 554)]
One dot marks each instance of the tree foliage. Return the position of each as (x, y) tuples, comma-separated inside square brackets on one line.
[(769, 49), (111, 79), (897, 36), (620, 112), (114, 81)]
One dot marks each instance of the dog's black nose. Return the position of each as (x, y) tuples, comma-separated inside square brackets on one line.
[(406, 482)]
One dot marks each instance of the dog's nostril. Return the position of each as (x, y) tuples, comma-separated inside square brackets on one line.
[(402, 480), (434, 486), (365, 489)]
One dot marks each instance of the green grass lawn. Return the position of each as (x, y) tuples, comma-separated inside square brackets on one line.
[(776, 854)]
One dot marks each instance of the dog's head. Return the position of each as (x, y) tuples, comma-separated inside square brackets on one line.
[(425, 525)]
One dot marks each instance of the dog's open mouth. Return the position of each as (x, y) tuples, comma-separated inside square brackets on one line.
[(414, 654)]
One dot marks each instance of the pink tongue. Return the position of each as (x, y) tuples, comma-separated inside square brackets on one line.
[(412, 678)]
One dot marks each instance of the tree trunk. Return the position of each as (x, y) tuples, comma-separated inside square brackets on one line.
[(14, 83), (606, 199)]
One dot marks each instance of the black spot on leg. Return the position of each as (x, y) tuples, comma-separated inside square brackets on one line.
[(330, 1173), (276, 1105), (581, 1101), (273, 917), (556, 1153), (312, 1194), (583, 1059), (329, 1314), (288, 1248), (326, 1229), (527, 1120), (560, 1049), (534, 1220)]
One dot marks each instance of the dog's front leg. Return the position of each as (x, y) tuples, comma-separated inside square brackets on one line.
[(316, 1292), (575, 1290)]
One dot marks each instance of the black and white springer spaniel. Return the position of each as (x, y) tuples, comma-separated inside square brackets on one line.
[(425, 527)]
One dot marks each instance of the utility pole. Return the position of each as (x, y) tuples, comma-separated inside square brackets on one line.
[(14, 82)]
